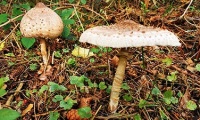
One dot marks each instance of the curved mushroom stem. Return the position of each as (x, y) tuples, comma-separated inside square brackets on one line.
[(44, 51), (117, 82)]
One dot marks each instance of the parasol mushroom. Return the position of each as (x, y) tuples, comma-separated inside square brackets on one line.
[(126, 34), (43, 23)]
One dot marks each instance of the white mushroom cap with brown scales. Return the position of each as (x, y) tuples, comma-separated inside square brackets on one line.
[(41, 22), (129, 34)]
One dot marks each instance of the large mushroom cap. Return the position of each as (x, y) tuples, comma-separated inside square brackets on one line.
[(128, 34), (42, 22)]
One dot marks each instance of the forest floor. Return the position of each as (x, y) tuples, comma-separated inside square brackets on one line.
[(168, 87)]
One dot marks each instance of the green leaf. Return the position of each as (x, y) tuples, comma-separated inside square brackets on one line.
[(43, 88), (127, 97), (66, 32), (142, 103), (167, 96), (78, 81), (84, 112), (68, 21), (137, 117), (95, 50), (172, 77), (2, 92), (55, 87), (8, 114), (167, 61), (102, 85), (125, 86), (83, 2), (15, 12), (57, 98), (3, 80), (191, 105), (71, 61), (67, 104), (26, 6), (54, 116), (108, 90), (3, 18), (27, 42), (163, 115), (155, 91), (10, 54), (71, 1), (174, 100), (33, 66), (57, 54), (66, 13), (197, 67)]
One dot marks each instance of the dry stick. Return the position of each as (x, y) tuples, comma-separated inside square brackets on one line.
[(118, 116), (16, 93), (11, 20), (46, 113), (96, 112), (186, 9)]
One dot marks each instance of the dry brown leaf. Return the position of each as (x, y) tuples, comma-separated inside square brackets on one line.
[(114, 60), (184, 99), (30, 106)]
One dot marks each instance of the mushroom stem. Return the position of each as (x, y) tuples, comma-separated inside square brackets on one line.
[(44, 51), (117, 82)]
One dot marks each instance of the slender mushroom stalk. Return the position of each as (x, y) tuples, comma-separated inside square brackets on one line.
[(44, 51), (42, 23), (118, 79), (122, 35)]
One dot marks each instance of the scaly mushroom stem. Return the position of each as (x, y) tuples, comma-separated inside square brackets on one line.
[(44, 51), (117, 82)]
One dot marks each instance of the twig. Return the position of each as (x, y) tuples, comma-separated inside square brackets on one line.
[(78, 18), (96, 112), (186, 9), (16, 93), (11, 20), (46, 113), (118, 116)]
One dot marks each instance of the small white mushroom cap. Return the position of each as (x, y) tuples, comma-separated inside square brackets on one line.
[(41, 22), (129, 34)]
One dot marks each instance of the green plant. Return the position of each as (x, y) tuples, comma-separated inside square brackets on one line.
[(54, 115), (155, 91), (172, 77), (28, 42), (85, 112), (167, 61), (80, 81), (191, 105), (144, 8), (102, 85), (197, 67), (8, 114), (137, 117), (168, 97), (142, 103), (33, 66), (127, 97), (3, 80), (58, 54), (71, 61)]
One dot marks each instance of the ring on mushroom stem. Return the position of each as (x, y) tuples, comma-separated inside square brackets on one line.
[(122, 35), (42, 23)]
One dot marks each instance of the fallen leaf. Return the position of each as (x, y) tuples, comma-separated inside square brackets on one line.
[(2, 45), (184, 99), (30, 106), (82, 52)]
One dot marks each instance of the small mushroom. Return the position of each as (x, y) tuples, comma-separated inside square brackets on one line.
[(126, 34), (43, 23)]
